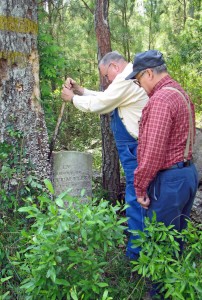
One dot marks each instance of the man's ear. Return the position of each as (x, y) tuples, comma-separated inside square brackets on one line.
[(150, 73), (115, 65)]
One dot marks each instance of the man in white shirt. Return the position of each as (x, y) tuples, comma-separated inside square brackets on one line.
[(125, 101)]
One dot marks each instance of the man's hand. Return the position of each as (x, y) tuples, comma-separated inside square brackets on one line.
[(144, 202), (72, 85), (67, 94), (69, 83)]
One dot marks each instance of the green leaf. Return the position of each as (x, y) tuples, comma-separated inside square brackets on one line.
[(105, 296), (44, 199), (71, 265), (4, 296), (84, 234), (28, 285), (73, 295), (102, 284), (49, 186), (28, 209), (95, 289), (62, 282), (51, 273), (61, 249), (6, 279), (83, 191), (169, 292), (176, 293), (59, 202)]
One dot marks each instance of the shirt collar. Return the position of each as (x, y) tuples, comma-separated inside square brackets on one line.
[(126, 71), (164, 81)]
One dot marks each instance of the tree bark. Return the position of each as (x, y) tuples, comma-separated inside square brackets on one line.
[(110, 160), (19, 81)]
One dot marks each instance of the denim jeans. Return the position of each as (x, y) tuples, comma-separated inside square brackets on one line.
[(127, 147), (172, 194)]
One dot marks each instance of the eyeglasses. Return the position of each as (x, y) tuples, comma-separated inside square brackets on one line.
[(106, 75), (137, 80)]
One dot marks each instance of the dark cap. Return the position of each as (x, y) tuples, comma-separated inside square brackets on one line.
[(145, 60)]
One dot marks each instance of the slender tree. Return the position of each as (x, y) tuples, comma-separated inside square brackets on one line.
[(110, 163), (19, 80)]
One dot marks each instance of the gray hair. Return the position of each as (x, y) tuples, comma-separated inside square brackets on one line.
[(111, 56), (160, 69)]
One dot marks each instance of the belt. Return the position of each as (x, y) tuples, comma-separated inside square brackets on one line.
[(180, 165)]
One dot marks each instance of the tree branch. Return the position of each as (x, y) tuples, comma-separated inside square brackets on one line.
[(86, 5)]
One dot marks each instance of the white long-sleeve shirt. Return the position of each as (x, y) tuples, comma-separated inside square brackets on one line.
[(124, 94)]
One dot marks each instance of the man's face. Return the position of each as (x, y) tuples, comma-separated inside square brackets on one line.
[(109, 71), (143, 79)]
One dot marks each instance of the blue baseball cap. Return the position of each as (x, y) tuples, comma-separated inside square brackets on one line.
[(145, 60)]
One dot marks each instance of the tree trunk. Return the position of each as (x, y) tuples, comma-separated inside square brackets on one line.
[(184, 12), (110, 160), (19, 81), (126, 45), (150, 25)]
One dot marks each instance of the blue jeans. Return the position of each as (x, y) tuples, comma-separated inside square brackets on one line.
[(127, 148), (172, 194)]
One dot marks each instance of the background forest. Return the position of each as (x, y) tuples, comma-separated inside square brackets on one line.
[(68, 47)]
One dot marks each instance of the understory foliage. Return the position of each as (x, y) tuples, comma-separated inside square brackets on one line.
[(81, 245), (67, 248), (179, 275), (17, 178), (70, 250), (17, 182)]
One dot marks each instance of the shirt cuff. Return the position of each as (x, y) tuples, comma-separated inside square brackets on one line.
[(140, 193), (86, 92)]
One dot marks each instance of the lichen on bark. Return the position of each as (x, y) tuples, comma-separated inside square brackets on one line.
[(20, 103)]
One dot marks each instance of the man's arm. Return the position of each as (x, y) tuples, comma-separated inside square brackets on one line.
[(119, 92), (152, 146), (71, 88)]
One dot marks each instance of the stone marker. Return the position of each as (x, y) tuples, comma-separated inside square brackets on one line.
[(72, 169), (197, 154)]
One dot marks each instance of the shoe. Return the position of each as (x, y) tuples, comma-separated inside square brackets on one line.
[(132, 255), (155, 293)]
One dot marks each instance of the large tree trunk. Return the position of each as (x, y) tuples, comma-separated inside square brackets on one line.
[(110, 160), (19, 80)]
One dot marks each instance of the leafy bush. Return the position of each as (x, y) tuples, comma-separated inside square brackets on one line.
[(179, 275), (67, 246), (17, 177), (17, 184)]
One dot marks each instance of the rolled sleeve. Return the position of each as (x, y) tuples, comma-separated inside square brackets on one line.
[(153, 145)]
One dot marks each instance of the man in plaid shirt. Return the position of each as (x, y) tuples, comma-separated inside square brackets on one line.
[(166, 179)]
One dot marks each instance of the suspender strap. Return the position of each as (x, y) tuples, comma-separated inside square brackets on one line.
[(190, 136)]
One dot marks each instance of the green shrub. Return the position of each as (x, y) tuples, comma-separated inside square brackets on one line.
[(67, 247), (17, 174), (179, 275), (17, 181)]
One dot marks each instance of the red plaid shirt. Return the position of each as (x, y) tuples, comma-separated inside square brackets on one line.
[(162, 134)]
